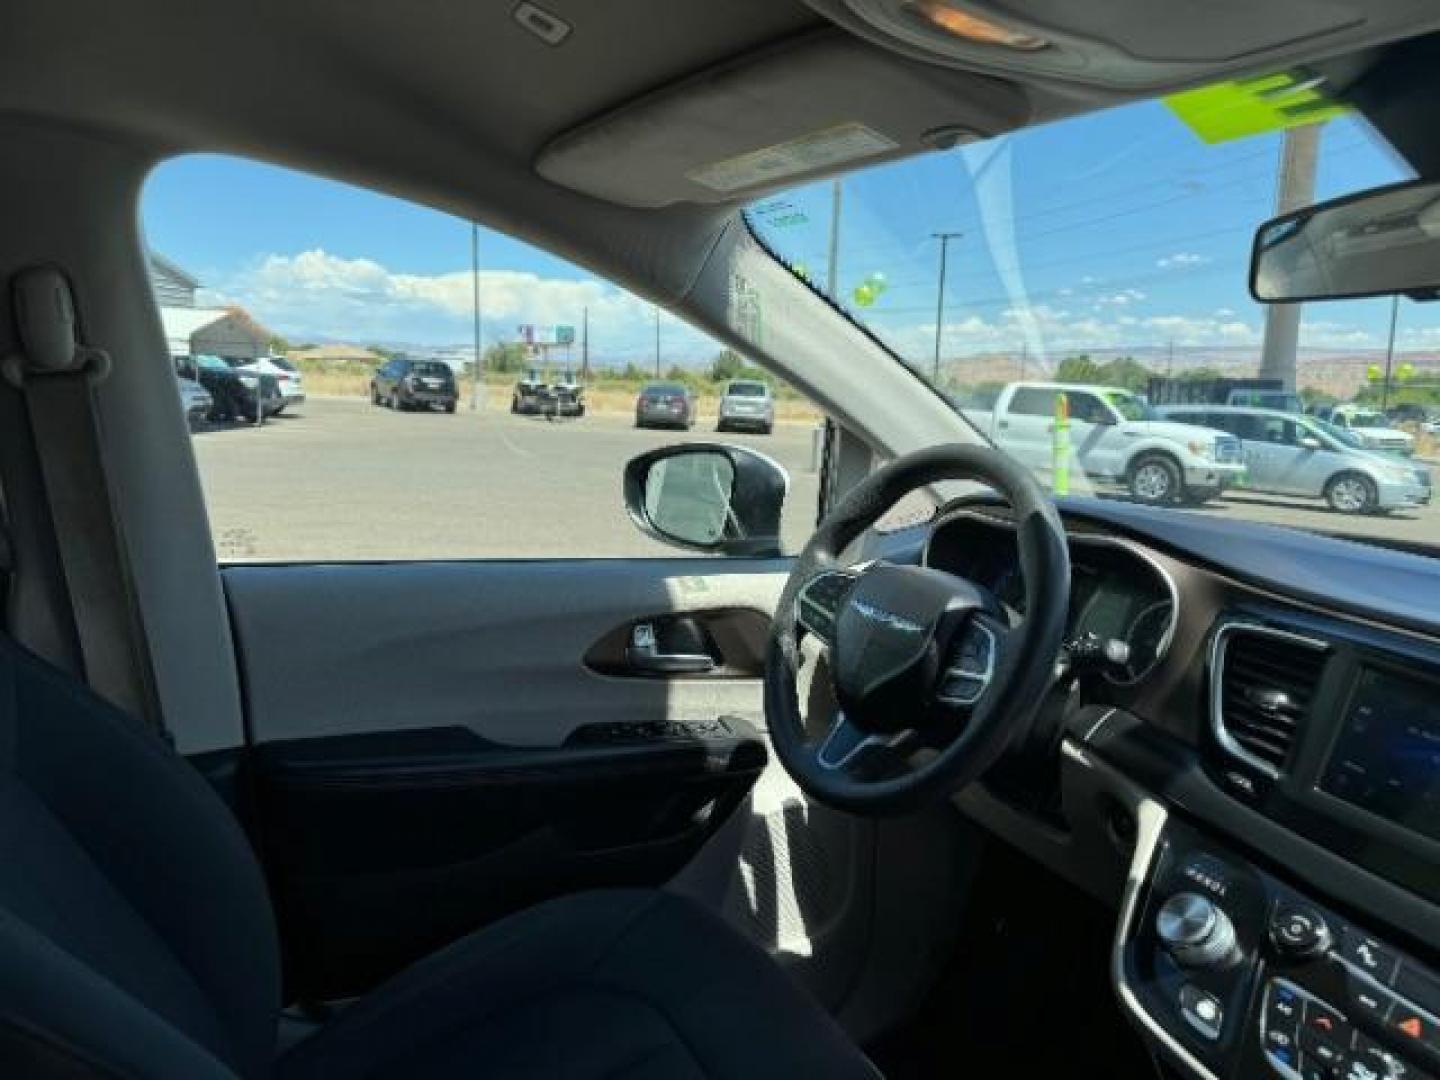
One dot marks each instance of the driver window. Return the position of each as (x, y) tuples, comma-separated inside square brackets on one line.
[(1088, 409), (400, 420)]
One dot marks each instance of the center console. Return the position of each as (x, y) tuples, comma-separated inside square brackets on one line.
[(1240, 975)]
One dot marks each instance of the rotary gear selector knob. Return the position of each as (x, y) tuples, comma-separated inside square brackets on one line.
[(1196, 930)]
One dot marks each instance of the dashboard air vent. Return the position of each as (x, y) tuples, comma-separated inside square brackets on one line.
[(1263, 683)]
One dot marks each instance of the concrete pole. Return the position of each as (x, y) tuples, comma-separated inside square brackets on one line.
[(832, 277), (1295, 188), (944, 238), (475, 394)]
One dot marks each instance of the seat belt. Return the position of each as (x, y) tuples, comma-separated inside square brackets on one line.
[(56, 375)]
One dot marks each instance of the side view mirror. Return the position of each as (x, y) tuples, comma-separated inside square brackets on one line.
[(725, 500), (1310, 442), (1374, 243)]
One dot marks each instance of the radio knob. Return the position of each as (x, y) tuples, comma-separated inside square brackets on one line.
[(1195, 930)]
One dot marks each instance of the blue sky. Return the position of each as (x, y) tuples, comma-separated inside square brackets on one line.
[(1116, 230)]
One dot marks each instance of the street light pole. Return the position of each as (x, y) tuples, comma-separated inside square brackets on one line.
[(944, 238), (657, 341), (832, 277), (1389, 353), (475, 306)]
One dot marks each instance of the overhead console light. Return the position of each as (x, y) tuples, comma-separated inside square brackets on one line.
[(961, 24)]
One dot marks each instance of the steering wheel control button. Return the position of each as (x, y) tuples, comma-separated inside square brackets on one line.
[(1202, 1011), (1368, 955), (1195, 930), (967, 679), (819, 601), (1298, 931)]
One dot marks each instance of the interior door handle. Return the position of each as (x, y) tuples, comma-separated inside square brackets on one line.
[(642, 655)]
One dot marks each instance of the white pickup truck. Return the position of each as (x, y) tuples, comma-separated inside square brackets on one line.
[(1114, 439)]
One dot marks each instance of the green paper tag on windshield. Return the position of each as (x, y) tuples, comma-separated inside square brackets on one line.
[(1237, 110)]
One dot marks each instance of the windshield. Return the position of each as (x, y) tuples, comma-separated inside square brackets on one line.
[(1368, 420), (1129, 406), (1113, 250), (212, 363), (1339, 434), (746, 389)]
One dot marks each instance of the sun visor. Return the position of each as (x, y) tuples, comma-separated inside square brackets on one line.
[(822, 105)]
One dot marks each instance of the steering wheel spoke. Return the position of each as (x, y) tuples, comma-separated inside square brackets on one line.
[(818, 603), (847, 748), (973, 661)]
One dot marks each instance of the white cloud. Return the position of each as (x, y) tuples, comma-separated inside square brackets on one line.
[(1202, 330), (318, 294), (1319, 334), (1122, 298), (1180, 259)]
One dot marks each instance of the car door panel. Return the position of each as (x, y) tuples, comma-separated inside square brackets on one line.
[(435, 745), (494, 647), (385, 847)]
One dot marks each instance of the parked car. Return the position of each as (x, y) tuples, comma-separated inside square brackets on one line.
[(665, 404), (569, 393), (195, 401), (235, 394), (1408, 412), (1302, 456), (747, 403), (525, 399), (1370, 426), (1115, 438), (1252, 393), (402, 383), (292, 385), (563, 397)]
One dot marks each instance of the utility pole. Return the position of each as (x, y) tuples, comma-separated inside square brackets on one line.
[(1024, 355), (832, 278), (1389, 352), (1170, 359), (475, 307), (944, 238), (584, 343), (1295, 188), (657, 341)]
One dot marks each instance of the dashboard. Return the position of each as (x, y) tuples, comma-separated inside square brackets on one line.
[(1122, 602), (1243, 750)]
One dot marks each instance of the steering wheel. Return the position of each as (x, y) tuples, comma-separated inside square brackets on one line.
[(929, 676)]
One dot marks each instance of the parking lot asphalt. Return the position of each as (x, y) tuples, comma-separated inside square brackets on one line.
[(343, 480)]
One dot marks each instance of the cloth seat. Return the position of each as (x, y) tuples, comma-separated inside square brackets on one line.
[(137, 940)]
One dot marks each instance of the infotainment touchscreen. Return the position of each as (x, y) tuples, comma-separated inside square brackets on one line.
[(1387, 758)]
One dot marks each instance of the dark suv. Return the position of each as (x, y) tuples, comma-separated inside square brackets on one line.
[(402, 383), (234, 394)]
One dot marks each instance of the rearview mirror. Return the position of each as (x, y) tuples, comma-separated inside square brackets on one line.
[(1310, 442), (725, 500), (1376, 243)]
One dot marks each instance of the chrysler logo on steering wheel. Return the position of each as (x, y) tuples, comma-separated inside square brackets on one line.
[(887, 618)]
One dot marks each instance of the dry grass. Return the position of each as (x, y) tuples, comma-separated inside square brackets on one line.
[(601, 399)]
